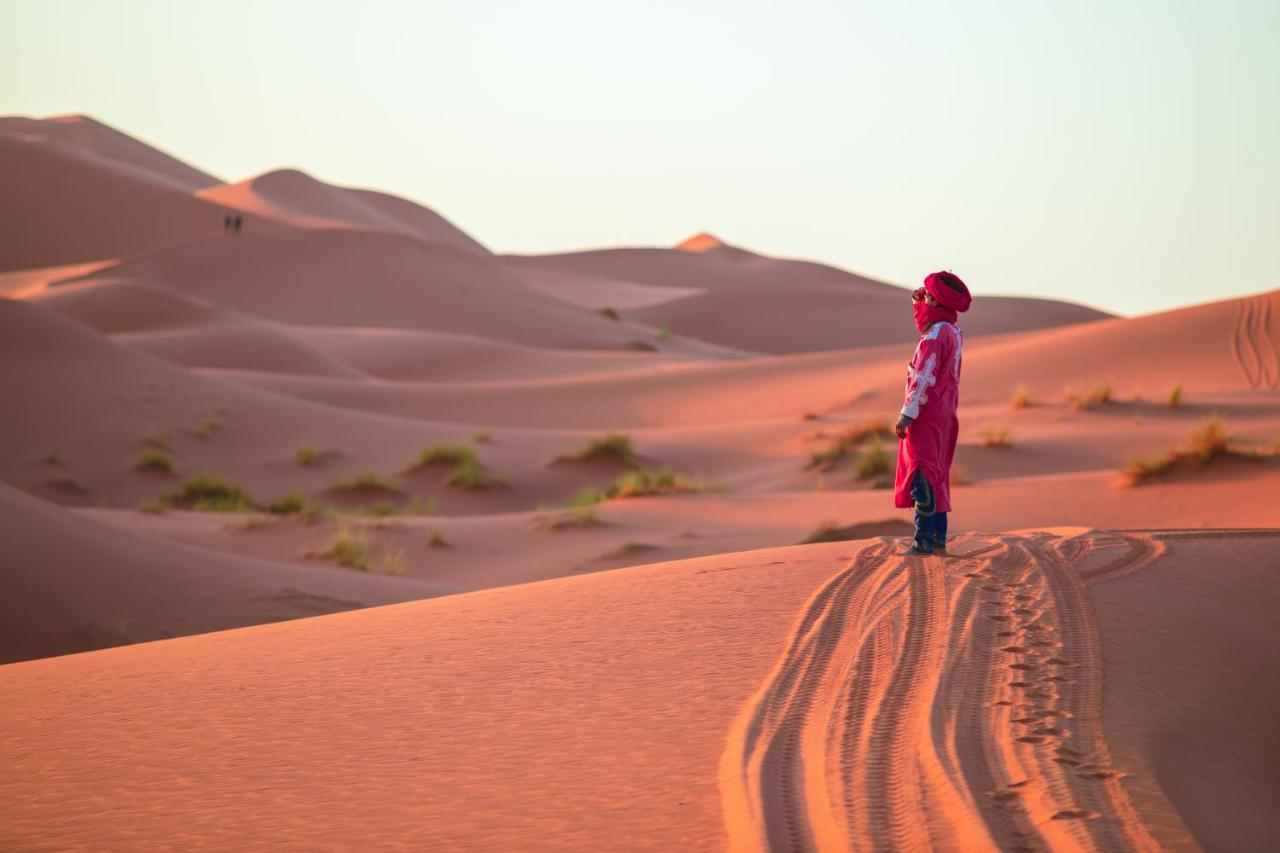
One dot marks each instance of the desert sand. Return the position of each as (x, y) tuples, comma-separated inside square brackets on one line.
[(409, 654)]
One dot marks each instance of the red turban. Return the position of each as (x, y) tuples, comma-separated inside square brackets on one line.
[(949, 290)]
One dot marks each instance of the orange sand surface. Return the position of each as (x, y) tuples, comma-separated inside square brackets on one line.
[(877, 701), (303, 543)]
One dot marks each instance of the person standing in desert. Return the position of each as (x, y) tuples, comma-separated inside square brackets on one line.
[(928, 427)]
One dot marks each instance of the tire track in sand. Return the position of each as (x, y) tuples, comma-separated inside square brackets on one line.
[(944, 703), (1254, 345)]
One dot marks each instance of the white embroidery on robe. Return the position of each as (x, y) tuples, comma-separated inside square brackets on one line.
[(919, 382)]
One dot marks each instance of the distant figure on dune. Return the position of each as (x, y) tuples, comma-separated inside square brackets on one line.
[(238, 222), (928, 428), (226, 224)]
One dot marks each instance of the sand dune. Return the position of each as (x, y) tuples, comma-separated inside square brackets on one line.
[(64, 208), (895, 702), (72, 585), (360, 278), (293, 196), (770, 305), (1117, 353), (92, 140)]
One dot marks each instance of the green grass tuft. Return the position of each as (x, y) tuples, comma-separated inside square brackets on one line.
[(844, 441), (996, 436), (614, 445), (154, 460), (209, 493), (875, 461)]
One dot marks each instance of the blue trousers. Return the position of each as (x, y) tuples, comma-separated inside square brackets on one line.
[(931, 525)]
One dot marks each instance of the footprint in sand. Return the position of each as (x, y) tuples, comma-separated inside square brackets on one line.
[(1075, 814)]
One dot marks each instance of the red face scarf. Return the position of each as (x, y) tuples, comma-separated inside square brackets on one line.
[(926, 314)]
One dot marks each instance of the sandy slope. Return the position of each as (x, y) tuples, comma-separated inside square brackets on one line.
[(61, 207), (772, 305), (72, 584), (90, 139), (365, 278), (293, 196), (869, 701)]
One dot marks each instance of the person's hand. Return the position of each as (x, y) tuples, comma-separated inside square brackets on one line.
[(901, 427)]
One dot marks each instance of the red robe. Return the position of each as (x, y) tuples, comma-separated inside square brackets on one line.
[(933, 392)]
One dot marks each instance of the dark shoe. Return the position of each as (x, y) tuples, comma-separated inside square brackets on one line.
[(921, 546), (939, 544)]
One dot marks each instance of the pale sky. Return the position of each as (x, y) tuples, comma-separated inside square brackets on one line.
[(1117, 153)]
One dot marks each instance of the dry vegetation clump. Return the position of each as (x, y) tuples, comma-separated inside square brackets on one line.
[(615, 446), (349, 548), (842, 442), (154, 460), (369, 481), (1174, 400), (292, 503), (210, 493), (435, 539), (809, 416), (482, 436), (1207, 442), (996, 436), (305, 455), (1097, 396), (207, 427), (153, 507), (580, 513), (1021, 397), (468, 471), (874, 461), (647, 481), (611, 312)]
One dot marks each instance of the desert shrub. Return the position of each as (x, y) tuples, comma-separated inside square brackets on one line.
[(616, 446), (444, 454), (472, 475), (581, 512), (154, 460), (292, 503), (996, 436), (664, 333), (383, 509), (392, 561), (809, 416), (370, 480), (842, 442), (349, 548), (611, 312), (875, 461), (430, 506), (1096, 396), (1021, 397), (1174, 400), (1207, 441), (482, 436), (207, 426), (435, 539), (153, 507), (210, 493), (306, 455), (647, 481)]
